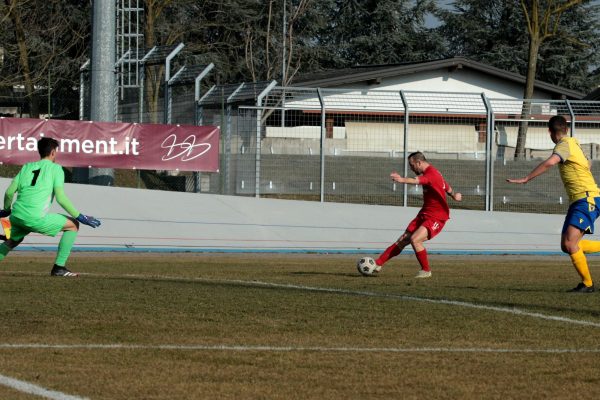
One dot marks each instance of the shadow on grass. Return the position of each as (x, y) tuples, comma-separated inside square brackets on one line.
[(328, 274)]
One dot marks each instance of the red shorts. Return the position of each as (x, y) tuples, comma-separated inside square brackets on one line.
[(432, 225)]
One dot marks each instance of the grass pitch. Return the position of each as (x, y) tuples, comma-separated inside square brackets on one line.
[(256, 326)]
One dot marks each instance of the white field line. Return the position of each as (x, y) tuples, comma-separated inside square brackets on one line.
[(514, 311), (464, 304), (315, 349), (30, 388)]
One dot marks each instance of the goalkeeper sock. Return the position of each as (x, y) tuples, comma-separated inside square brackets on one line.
[(589, 246), (581, 265), (422, 258), (390, 252), (4, 249), (64, 247)]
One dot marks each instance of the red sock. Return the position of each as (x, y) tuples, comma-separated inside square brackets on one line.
[(390, 252), (422, 257)]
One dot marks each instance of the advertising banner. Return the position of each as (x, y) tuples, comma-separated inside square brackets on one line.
[(112, 144)]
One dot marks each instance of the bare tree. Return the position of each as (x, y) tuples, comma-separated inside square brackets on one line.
[(154, 74), (543, 21), (261, 64), (49, 43)]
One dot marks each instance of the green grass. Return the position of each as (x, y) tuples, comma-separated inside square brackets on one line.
[(255, 300)]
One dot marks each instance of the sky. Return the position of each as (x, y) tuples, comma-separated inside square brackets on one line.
[(431, 21)]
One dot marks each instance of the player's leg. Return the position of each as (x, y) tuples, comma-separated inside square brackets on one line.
[(51, 225), (591, 246), (70, 229), (416, 241), (569, 244), (396, 248), (7, 246), (428, 229), (15, 236), (579, 219)]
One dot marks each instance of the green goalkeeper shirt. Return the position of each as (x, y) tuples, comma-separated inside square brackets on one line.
[(37, 184)]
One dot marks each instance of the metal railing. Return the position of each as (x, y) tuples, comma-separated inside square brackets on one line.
[(340, 145)]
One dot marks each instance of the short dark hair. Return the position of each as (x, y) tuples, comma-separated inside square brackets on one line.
[(558, 124), (417, 156), (45, 146)]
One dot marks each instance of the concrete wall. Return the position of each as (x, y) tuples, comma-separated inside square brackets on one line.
[(144, 220)]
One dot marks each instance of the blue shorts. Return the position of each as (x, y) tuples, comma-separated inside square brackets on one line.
[(582, 215)]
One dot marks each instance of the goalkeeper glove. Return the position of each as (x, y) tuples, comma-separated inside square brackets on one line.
[(4, 213), (88, 220)]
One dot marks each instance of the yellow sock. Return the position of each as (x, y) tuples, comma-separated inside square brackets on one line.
[(589, 246), (581, 265)]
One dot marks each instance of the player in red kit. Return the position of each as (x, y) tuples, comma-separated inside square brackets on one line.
[(431, 218)]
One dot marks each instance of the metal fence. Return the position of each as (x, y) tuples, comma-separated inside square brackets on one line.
[(340, 145)]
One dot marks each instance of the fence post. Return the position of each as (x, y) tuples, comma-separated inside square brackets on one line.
[(405, 145), (572, 116), (489, 160), (141, 74), (82, 71), (259, 100), (322, 142), (167, 89), (226, 166)]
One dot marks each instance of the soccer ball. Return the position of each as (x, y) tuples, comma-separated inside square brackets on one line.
[(367, 267)]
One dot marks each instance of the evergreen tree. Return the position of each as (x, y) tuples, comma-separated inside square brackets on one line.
[(379, 32), (495, 32)]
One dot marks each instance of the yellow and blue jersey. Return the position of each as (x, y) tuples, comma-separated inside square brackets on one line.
[(575, 171)]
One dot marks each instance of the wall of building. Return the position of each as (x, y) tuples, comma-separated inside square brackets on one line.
[(464, 80)]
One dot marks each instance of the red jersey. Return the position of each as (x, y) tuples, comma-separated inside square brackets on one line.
[(435, 204)]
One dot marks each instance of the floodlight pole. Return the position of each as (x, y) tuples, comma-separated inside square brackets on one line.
[(103, 80)]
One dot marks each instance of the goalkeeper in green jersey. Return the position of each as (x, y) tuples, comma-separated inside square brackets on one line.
[(37, 184)]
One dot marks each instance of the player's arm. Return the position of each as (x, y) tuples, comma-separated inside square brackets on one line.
[(450, 192), (65, 203), (397, 178), (539, 170)]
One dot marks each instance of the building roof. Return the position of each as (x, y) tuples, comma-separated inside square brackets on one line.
[(374, 73)]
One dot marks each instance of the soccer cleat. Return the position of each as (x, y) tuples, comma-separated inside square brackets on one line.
[(581, 288), (423, 274), (377, 269), (62, 271)]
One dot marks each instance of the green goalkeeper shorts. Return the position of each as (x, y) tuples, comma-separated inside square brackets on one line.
[(49, 225)]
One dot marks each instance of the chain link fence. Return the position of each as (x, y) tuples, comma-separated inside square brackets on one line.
[(340, 145)]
